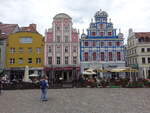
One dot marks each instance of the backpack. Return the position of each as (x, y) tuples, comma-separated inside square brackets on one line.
[(43, 84)]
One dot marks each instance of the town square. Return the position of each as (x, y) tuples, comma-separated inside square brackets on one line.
[(74, 56)]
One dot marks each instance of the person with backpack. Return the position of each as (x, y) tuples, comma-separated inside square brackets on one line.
[(44, 86)]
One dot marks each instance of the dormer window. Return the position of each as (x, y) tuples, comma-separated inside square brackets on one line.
[(93, 33), (101, 33), (109, 33), (86, 43), (118, 43), (101, 26)]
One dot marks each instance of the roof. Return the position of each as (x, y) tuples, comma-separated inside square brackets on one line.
[(30, 29), (62, 15), (3, 36), (8, 28), (142, 34), (101, 14)]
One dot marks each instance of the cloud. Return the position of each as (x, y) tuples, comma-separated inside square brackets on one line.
[(124, 14)]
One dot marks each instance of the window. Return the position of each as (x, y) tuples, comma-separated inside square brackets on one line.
[(38, 50), (143, 60), (58, 39), (74, 60), (20, 50), (49, 49), (117, 43), (93, 33), (110, 44), (49, 60), (25, 40), (30, 60), (101, 26), (142, 50), (102, 44), (148, 60), (101, 33), (94, 56), (38, 60), (66, 39), (66, 49), (74, 49), (85, 43), (148, 49), (94, 43), (66, 28), (30, 50), (20, 60), (110, 56), (118, 56), (86, 56), (66, 60), (57, 28), (58, 60), (102, 56), (12, 50), (58, 49), (109, 34), (11, 60)]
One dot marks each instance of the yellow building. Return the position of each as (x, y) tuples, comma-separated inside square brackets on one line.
[(24, 49)]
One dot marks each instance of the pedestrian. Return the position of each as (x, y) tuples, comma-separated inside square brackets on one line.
[(44, 86)]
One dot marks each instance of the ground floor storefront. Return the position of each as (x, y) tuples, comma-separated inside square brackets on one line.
[(144, 72), (18, 73), (61, 76), (104, 69)]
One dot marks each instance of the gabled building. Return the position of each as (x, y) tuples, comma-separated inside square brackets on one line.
[(24, 48), (102, 48), (138, 53), (61, 50)]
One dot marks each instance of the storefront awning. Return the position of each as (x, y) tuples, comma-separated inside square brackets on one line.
[(123, 69)]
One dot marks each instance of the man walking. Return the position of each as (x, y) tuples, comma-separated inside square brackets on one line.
[(44, 86)]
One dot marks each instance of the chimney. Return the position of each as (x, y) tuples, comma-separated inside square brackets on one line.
[(33, 26)]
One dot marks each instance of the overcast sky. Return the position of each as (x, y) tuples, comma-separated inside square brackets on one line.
[(124, 14)]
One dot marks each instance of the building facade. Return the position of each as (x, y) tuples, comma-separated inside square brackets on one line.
[(61, 50), (24, 48), (138, 53), (102, 47), (5, 31)]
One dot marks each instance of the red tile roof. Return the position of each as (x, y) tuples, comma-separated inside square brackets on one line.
[(8, 28), (30, 28), (3, 36), (142, 34)]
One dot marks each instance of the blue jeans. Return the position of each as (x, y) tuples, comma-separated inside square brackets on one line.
[(44, 94)]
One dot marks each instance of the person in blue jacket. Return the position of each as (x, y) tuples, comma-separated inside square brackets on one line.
[(44, 87)]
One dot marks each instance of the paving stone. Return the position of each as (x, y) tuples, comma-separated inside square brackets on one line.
[(77, 100)]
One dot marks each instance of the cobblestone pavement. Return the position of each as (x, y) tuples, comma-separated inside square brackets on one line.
[(77, 100)]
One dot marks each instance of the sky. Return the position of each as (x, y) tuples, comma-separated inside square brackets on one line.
[(124, 14)]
